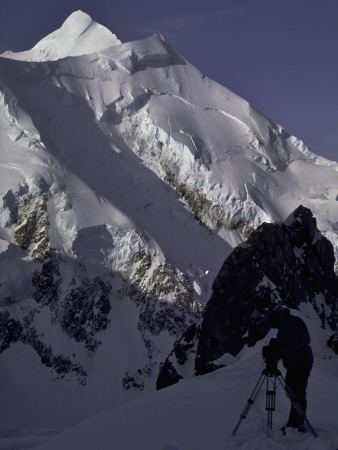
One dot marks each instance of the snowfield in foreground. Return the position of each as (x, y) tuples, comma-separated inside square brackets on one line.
[(201, 413)]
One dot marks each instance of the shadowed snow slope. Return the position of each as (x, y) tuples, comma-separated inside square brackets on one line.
[(201, 413)]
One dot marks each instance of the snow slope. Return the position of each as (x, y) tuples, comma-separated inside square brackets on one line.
[(202, 412), (186, 128), (233, 167), (139, 175)]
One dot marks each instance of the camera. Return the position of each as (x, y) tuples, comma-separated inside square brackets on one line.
[(271, 355)]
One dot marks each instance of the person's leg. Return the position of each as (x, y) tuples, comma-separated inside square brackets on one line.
[(297, 379)]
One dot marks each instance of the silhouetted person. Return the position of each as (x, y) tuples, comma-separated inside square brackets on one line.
[(293, 347)]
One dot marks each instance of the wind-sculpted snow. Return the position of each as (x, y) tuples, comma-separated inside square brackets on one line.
[(126, 178)]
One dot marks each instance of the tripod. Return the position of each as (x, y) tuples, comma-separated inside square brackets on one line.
[(271, 377)]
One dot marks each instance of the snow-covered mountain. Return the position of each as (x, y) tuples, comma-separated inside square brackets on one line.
[(126, 178)]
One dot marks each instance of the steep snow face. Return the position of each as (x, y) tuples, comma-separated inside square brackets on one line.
[(126, 178), (78, 35), (233, 167)]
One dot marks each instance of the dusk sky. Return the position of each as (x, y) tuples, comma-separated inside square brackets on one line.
[(280, 55)]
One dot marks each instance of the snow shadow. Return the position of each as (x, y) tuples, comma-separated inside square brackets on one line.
[(105, 163)]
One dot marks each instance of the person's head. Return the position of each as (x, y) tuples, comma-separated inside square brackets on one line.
[(275, 318)]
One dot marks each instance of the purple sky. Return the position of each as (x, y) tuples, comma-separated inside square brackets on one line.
[(280, 55)]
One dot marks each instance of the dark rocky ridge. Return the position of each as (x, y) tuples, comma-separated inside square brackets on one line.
[(282, 264)]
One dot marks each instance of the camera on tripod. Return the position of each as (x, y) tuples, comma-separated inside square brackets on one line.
[(271, 355), (270, 376)]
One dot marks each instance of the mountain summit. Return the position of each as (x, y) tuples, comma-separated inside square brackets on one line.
[(126, 178), (78, 35)]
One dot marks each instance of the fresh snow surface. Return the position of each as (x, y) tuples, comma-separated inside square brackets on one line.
[(201, 413)]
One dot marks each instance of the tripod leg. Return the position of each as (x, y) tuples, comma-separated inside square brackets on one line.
[(295, 403), (250, 402), (270, 398)]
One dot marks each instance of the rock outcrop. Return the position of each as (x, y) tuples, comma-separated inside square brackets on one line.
[(282, 264)]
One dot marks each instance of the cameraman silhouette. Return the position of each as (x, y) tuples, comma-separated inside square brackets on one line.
[(292, 346)]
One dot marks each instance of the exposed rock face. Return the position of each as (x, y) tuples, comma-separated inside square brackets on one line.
[(279, 264), (74, 296), (184, 350), (12, 331), (78, 303)]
